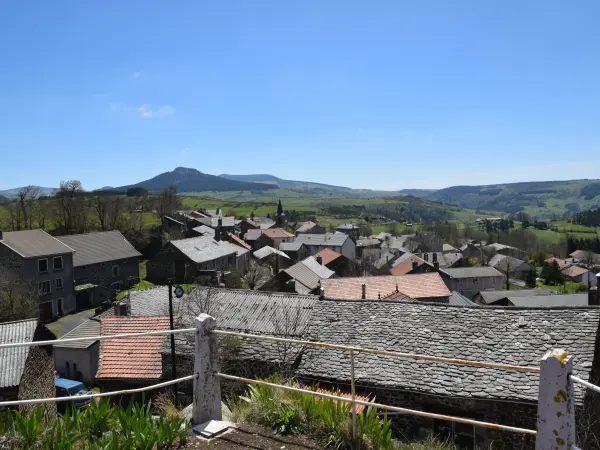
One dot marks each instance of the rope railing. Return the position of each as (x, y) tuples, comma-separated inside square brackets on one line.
[(379, 405), (96, 338), (441, 359), (587, 384), (77, 398)]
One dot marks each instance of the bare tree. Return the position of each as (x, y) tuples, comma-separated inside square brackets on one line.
[(167, 202), (108, 209), (18, 296), (588, 258), (71, 207), (26, 199), (256, 275), (288, 323), (15, 214)]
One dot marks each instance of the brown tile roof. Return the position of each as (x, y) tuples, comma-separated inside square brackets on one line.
[(574, 271), (131, 358), (395, 296), (236, 240), (328, 255), (406, 266), (413, 286), (277, 233), (561, 262)]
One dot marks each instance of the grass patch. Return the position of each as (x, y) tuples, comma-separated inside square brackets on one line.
[(56, 329), (142, 285), (569, 287), (326, 420)]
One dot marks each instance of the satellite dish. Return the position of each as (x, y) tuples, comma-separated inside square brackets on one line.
[(179, 292)]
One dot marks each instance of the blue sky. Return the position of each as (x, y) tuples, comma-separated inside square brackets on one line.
[(383, 95)]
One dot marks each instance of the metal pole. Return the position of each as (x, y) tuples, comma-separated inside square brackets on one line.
[(173, 363), (353, 389)]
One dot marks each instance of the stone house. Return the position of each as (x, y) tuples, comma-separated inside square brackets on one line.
[(47, 263), (429, 241), (304, 277), (349, 229), (103, 263), (272, 258), (297, 251), (517, 336), (185, 260), (22, 374), (79, 360), (515, 268), (340, 243), (311, 228), (335, 261), (506, 250), (176, 229), (274, 237), (471, 280)]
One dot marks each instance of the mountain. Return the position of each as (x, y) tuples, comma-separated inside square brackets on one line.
[(192, 180), (541, 199), (12, 193), (284, 184)]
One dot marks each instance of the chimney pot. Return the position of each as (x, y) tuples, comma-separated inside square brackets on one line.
[(434, 255), (364, 291), (321, 293), (320, 260), (415, 264), (426, 256)]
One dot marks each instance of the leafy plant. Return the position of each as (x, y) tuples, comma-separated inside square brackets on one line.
[(27, 428)]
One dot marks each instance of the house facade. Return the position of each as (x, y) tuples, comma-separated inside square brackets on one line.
[(470, 280), (297, 251), (311, 228), (516, 268), (340, 243), (47, 263), (79, 360)]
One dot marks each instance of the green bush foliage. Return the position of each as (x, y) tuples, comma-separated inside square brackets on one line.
[(100, 426)]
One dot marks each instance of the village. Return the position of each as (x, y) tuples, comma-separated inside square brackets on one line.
[(267, 276)]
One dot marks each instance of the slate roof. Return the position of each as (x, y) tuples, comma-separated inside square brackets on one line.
[(277, 233), (268, 251), (347, 227), (503, 335), (131, 358), (503, 263), (237, 241), (368, 243), (12, 360), (381, 236), (95, 248), (424, 285), (33, 243), (471, 272), (457, 299), (447, 248), (385, 257), (252, 235), (327, 239), (89, 328), (309, 273), (203, 229), (204, 248), (489, 297), (290, 246), (550, 300), (327, 255), (306, 227)]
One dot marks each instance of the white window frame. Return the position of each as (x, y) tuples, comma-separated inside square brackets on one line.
[(40, 283), (40, 260), (116, 266), (56, 283), (61, 262)]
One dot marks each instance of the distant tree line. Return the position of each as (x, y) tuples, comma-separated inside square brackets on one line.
[(574, 243), (590, 218)]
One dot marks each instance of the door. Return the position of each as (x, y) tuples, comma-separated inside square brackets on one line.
[(45, 312)]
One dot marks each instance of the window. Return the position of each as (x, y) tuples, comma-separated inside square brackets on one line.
[(75, 367), (57, 262), (475, 281), (44, 287), (42, 265), (115, 271), (116, 286), (67, 365), (59, 284)]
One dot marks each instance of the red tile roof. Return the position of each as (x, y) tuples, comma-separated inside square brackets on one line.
[(131, 358), (395, 296), (277, 233), (406, 266), (328, 255), (561, 262), (574, 271), (238, 241), (413, 286)]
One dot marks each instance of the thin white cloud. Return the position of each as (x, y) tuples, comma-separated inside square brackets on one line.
[(148, 111)]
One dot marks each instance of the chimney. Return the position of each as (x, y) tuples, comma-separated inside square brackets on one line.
[(364, 291), (426, 256), (321, 293), (120, 309), (434, 257), (415, 264), (436, 265), (320, 260), (1, 235), (218, 230), (594, 296)]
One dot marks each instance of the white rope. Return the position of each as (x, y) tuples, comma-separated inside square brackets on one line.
[(76, 398), (587, 384), (96, 338), (380, 406), (464, 362)]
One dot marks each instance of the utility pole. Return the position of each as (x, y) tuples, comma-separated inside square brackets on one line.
[(173, 363)]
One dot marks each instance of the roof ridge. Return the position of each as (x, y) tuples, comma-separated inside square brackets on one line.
[(19, 321)]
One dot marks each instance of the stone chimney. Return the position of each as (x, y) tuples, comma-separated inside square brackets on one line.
[(120, 308), (320, 260), (434, 257), (426, 256), (364, 291), (321, 293), (594, 296), (218, 230)]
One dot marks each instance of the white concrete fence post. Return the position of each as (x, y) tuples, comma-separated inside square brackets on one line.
[(207, 386), (556, 404)]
